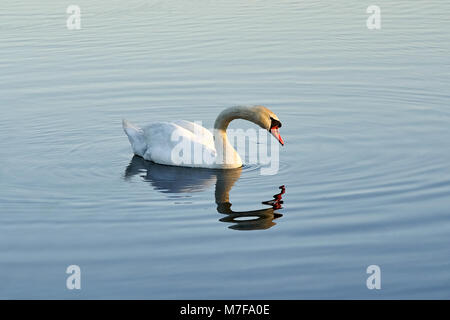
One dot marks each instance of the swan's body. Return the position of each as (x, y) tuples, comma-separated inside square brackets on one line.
[(160, 141), (154, 142)]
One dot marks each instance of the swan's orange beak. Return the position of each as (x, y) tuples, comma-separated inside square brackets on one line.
[(274, 131)]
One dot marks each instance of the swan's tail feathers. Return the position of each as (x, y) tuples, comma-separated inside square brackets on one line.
[(136, 137)]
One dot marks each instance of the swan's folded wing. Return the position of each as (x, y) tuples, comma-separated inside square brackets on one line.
[(165, 140), (202, 134)]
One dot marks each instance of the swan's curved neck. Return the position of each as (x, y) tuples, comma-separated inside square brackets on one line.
[(225, 150), (230, 114)]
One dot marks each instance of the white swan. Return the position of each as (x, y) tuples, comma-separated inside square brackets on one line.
[(158, 141)]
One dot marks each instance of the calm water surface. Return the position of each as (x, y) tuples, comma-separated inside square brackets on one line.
[(366, 165)]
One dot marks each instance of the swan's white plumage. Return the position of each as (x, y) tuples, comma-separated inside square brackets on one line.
[(136, 137), (201, 133), (156, 141)]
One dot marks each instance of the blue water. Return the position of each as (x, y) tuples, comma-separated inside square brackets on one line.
[(366, 164)]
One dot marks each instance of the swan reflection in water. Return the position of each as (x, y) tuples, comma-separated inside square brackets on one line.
[(171, 179)]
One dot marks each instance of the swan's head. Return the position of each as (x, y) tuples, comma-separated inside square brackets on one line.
[(268, 120)]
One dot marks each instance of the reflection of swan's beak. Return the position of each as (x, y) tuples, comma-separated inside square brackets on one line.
[(274, 131), (277, 200), (254, 219)]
